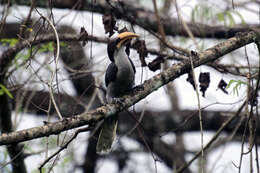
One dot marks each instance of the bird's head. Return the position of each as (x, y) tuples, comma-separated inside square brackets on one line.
[(117, 43)]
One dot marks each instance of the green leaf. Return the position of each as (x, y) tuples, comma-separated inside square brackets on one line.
[(221, 17), (230, 83), (48, 47), (4, 90), (231, 18), (63, 44), (227, 18), (9, 41), (240, 16), (238, 84), (202, 12), (44, 170)]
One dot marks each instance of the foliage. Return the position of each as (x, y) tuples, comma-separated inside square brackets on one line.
[(4, 157), (206, 14), (4, 90), (44, 170), (202, 13), (9, 41), (227, 17), (24, 56), (238, 84)]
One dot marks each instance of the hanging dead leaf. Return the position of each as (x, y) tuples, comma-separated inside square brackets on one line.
[(204, 80), (156, 63), (140, 46), (83, 36), (190, 79), (222, 85), (109, 23)]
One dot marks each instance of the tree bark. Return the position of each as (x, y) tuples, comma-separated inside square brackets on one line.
[(135, 96), (147, 20)]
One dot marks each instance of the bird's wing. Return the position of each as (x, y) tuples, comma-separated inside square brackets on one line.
[(111, 73), (132, 64)]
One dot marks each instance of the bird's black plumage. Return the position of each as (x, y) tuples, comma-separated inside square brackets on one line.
[(111, 73), (111, 47), (132, 64)]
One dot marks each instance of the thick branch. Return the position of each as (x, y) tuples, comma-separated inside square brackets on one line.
[(147, 19), (69, 37), (9, 55), (190, 122), (15, 150), (136, 95)]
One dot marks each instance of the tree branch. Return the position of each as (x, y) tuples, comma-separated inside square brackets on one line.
[(136, 95), (189, 118), (147, 19), (15, 150)]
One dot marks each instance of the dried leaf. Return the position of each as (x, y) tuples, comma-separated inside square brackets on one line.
[(109, 23), (190, 79), (156, 63), (140, 46), (222, 85), (83, 36), (204, 80)]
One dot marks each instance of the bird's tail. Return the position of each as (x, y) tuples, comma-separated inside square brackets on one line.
[(107, 135)]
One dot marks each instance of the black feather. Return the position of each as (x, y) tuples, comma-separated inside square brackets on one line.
[(111, 73), (132, 64), (111, 47)]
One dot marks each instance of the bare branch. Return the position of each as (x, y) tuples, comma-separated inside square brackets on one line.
[(147, 19), (135, 96)]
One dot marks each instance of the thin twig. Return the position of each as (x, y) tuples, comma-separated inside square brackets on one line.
[(224, 125), (195, 83), (65, 145), (254, 96), (138, 121), (12, 159), (148, 86), (56, 64)]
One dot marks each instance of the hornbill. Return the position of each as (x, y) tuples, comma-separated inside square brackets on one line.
[(119, 79)]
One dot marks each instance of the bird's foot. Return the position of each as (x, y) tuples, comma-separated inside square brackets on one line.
[(115, 100), (118, 100)]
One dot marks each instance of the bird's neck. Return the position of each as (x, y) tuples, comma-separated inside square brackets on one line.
[(122, 60)]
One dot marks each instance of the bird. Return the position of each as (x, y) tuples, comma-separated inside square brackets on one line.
[(119, 80)]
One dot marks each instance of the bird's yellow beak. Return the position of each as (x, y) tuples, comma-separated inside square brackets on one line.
[(125, 36)]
